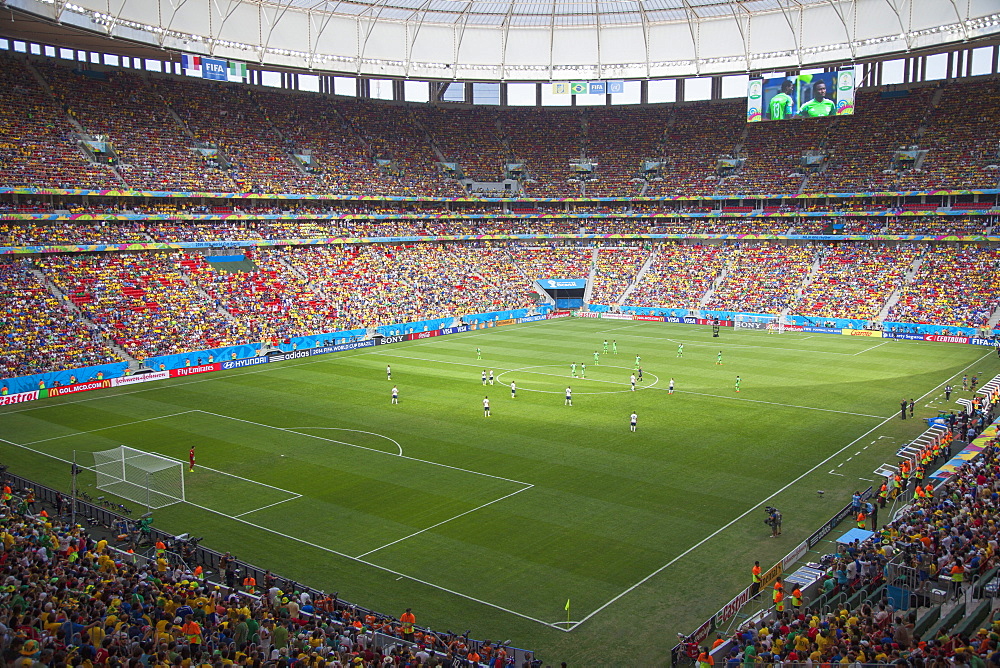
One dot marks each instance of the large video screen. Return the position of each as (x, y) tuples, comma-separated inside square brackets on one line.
[(801, 96)]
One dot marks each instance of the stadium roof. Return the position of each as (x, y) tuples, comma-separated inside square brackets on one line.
[(534, 39)]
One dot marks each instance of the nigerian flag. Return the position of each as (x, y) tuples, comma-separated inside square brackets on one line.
[(237, 70)]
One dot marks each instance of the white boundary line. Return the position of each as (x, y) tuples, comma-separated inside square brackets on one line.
[(359, 352), (363, 447), (384, 569), (774, 403), (417, 580), (735, 345), (358, 431), (750, 510), (872, 347), (293, 495), (238, 518), (91, 431), (270, 505), (417, 533)]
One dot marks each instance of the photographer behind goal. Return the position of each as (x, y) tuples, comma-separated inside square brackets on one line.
[(773, 520)]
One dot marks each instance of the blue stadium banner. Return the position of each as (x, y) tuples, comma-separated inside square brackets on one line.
[(562, 283), (213, 68), (616, 87), (596, 87)]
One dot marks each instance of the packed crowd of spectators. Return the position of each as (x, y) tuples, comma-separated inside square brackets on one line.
[(961, 139), (545, 141), (773, 153), (38, 333), (370, 147), (409, 163), (469, 137), (615, 268), (887, 123), (970, 271), (141, 302), (37, 145), (620, 141), (313, 124), (70, 598), (157, 303), (966, 225), (153, 151), (695, 136), (855, 280), (679, 276), (555, 261), (228, 117), (762, 278)]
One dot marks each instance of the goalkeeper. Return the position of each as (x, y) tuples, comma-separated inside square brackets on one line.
[(781, 105), (191, 460)]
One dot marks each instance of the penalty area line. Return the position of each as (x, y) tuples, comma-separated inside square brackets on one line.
[(362, 447), (433, 526), (270, 505), (384, 569), (113, 426)]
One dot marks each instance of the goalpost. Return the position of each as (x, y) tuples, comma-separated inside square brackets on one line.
[(771, 323), (141, 477)]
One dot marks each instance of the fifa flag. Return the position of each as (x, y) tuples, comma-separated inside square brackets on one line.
[(560, 88), (237, 71), (190, 62), (578, 88), (596, 88)]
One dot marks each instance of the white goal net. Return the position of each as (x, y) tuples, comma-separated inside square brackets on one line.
[(140, 477), (770, 323)]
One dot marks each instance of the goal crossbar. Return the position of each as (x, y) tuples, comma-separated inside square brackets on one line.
[(141, 477)]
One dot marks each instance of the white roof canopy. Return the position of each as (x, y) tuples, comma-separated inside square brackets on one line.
[(534, 39)]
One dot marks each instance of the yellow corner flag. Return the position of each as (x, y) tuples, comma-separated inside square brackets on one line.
[(567, 610)]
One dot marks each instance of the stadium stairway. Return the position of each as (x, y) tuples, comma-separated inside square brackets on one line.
[(994, 319), (639, 276), (590, 276), (707, 297), (895, 295)]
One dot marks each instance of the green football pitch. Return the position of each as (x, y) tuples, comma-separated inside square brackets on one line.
[(492, 524)]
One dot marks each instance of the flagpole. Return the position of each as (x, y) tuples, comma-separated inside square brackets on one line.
[(567, 611)]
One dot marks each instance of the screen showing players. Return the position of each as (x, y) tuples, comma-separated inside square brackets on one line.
[(801, 96)]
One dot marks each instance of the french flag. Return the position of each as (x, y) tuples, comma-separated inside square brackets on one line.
[(190, 62)]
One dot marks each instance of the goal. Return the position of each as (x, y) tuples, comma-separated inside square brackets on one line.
[(140, 477), (757, 321)]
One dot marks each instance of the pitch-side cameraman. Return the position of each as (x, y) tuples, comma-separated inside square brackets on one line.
[(773, 520)]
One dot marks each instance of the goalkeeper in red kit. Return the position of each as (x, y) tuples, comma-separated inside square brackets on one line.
[(191, 460)]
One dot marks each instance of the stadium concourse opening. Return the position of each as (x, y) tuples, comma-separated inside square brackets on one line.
[(566, 292)]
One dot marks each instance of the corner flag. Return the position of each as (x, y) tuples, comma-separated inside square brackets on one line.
[(567, 610)]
